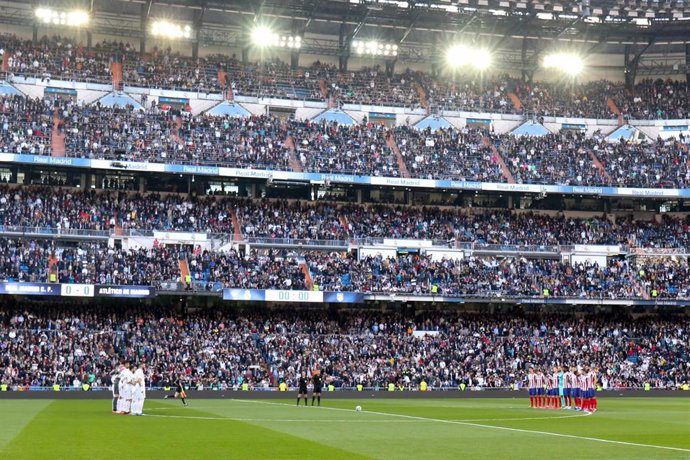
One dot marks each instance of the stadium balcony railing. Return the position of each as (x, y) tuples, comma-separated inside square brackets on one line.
[(479, 248), (43, 232)]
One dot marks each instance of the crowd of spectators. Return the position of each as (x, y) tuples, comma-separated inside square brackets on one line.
[(653, 163), (482, 277), (561, 159), (61, 209), (162, 134), (655, 100), (333, 148), (25, 125), (266, 219), (63, 58), (448, 154), (41, 346), (25, 260), (64, 209)]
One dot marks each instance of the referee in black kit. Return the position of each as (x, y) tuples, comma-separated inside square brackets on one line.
[(302, 388), (318, 383)]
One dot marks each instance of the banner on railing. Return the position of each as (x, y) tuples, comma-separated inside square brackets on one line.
[(125, 291), (30, 289), (76, 290), (345, 178)]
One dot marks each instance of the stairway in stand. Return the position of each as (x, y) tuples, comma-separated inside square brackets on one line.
[(308, 282), (615, 110), (507, 175), (117, 76), (390, 141), (293, 162), (602, 170), (184, 271), (57, 138), (237, 233), (422, 97), (517, 103)]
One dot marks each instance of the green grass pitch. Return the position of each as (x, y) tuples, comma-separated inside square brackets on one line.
[(625, 428)]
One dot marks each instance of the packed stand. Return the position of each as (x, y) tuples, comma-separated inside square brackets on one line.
[(560, 159), (448, 154), (26, 125), (476, 276), (469, 94), (164, 135), (659, 163), (86, 263), (585, 100), (64, 58), (656, 100), (61, 58), (271, 270), (332, 148), (224, 349), (270, 220), (64, 209)]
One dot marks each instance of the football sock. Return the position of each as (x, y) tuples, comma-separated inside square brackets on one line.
[(318, 400)]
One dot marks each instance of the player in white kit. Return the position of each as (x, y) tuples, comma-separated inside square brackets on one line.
[(138, 390), (124, 404)]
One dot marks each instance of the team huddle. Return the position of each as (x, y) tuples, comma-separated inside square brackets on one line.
[(572, 389), (129, 390)]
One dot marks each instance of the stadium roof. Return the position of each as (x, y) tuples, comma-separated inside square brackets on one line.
[(518, 30)]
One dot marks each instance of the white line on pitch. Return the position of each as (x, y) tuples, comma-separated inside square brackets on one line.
[(503, 428), (296, 420)]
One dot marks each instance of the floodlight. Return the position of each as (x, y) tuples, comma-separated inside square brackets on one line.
[(263, 36), (73, 18), (375, 48), (167, 29), (565, 62), (461, 56)]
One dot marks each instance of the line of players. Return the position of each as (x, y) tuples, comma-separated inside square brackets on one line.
[(573, 389), (129, 390)]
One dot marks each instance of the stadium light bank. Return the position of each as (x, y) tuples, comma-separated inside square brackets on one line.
[(72, 18), (568, 63), (464, 56), (167, 29), (374, 48), (264, 37)]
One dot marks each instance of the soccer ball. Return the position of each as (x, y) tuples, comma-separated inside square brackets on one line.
[(358, 408)]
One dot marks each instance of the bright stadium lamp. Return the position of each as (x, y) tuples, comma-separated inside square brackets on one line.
[(167, 29), (73, 18), (264, 37), (565, 62), (375, 48), (462, 56)]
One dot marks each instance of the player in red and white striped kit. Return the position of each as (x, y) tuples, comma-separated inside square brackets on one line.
[(582, 387), (540, 381), (554, 400), (591, 395), (532, 387)]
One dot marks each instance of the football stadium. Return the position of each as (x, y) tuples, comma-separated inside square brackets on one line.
[(424, 229)]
